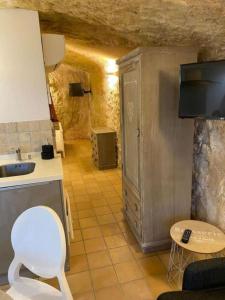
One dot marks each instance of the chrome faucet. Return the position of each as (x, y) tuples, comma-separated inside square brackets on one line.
[(18, 153)]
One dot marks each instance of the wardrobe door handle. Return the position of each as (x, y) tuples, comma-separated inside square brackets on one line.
[(136, 207), (138, 132), (136, 224)]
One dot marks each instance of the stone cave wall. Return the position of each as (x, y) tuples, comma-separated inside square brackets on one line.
[(100, 109), (79, 114), (208, 188), (72, 112), (113, 109), (208, 195)]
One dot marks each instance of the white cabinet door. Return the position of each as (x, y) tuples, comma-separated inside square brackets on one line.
[(130, 124)]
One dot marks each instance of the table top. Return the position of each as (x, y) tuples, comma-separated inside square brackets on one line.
[(205, 238), (4, 296)]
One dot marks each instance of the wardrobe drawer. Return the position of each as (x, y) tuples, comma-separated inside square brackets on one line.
[(133, 201), (133, 221)]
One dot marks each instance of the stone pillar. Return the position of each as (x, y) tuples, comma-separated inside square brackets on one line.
[(208, 194)]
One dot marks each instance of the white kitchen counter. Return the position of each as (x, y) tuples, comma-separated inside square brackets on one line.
[(45, 170)]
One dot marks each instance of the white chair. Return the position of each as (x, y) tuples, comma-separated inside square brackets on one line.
[(38, 241)]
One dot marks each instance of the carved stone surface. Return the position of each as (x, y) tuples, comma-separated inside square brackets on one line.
[(72, 112), (137, 22), (208, 201), (79, 114)]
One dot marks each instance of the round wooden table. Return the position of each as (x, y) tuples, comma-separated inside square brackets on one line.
[(205, 239), (4, 296)]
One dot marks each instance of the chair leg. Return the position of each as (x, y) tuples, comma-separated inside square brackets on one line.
[(14, 270), (64, 287)]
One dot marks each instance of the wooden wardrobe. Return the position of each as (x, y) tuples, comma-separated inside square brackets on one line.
[(156, 145)]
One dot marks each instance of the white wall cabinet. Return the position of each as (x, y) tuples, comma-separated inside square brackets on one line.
[(23, 91), (156, 144), (53, 50)]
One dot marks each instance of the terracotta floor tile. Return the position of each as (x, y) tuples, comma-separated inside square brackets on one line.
[(52, 282), (94, 245), (116, 207), (152, 266), (88, 222), (158, 284), (110, 229), (77, 184), (99, 259), (78, 191), (76, 224), (94, 192), (78, 263), (130, 238), (83, 205), (124, 226), (118, 216), (80, 282), (77, 248), (114, 200), (121, 254), (114, 241), (81, 198), (99, 202), (85, 296), (106, 219), (102, 210), (103, 180), (137, 252), (128, 271), (103, 277), (105, 186), (110, 293), (91, 233), (74, 214), (77, 236), (90, 184), (108, 188), (86, 213), (164, 257), (137, 290)]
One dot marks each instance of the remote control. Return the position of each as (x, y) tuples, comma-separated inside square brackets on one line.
[(186, 236)]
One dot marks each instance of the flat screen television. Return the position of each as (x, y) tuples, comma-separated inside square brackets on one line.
[(202, 90)]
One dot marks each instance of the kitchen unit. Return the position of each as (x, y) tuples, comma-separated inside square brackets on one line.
[(43, 186), (156, 144)]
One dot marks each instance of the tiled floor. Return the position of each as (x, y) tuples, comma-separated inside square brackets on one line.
[(106, 262)]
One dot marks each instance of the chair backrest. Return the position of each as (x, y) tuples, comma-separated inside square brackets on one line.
[(38, 241)]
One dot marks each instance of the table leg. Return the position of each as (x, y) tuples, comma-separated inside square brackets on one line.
[(179, 259)]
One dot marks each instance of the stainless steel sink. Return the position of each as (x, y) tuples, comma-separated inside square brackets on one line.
[(16, 169)]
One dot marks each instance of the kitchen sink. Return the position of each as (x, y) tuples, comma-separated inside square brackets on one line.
[(16, 169)]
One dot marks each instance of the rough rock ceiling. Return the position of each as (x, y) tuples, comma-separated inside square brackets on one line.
[(135, 22)]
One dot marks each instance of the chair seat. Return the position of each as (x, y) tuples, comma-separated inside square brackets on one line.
[(214, 294), (31, 289)]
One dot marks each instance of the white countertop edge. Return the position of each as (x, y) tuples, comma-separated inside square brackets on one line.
[(26, 181), (45, 170)]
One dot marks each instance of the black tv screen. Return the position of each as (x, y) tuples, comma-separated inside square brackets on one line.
[(202, 90)]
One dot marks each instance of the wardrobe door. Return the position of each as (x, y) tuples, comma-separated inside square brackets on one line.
[(130, 79)]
